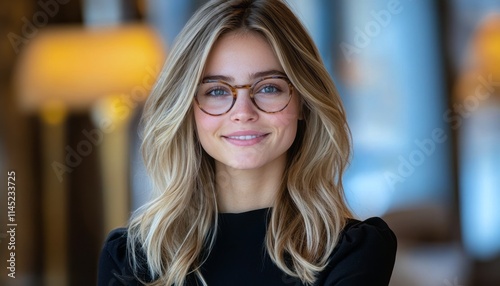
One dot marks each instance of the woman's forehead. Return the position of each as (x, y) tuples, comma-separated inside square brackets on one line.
[(241, 55)]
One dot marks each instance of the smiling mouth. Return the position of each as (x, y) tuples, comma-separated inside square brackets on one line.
[(245, 137)]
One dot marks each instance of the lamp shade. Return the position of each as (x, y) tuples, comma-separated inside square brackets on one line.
[(76, 66)]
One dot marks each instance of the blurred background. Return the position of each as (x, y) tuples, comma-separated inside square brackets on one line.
[(421, 85)]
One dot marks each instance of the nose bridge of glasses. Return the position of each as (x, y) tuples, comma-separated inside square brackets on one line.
[(245, 100), (242, 86)]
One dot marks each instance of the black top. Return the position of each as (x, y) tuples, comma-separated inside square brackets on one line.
[(364, 255)]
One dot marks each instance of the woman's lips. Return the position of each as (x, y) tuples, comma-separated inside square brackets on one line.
[(245, 138)]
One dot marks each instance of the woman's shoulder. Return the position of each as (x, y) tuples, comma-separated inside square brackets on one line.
[(115, 247), (364, 255), (116, 240), (370, 230), (114, 260), (369, 238)]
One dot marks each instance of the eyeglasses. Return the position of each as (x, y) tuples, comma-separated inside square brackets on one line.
[(269, 94)]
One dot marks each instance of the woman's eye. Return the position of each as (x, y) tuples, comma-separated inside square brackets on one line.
[(217, 92), (269, 89)]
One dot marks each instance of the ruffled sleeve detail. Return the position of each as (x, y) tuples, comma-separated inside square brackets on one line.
[(364, 255)]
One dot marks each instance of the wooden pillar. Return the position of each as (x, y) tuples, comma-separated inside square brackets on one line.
[(54, 196), (114, 160)]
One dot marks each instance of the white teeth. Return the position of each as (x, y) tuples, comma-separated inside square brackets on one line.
[(243, 137)]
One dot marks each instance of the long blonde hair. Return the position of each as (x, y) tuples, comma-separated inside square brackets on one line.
[(177, 227)]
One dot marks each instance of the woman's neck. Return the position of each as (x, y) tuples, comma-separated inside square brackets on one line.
[(245, 190)]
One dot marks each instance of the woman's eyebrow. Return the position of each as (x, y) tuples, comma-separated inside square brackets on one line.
[(217, 77), (255, 75), (266, 73)]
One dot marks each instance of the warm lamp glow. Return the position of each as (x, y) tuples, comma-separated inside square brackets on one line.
[(477, 81), (76, 65), (486, 46)]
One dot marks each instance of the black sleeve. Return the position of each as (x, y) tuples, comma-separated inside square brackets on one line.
[(365, 255), (114, 268)]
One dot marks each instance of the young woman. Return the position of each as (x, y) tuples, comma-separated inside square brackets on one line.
[(246, 140)]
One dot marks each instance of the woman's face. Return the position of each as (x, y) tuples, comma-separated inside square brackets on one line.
[(245, 137)]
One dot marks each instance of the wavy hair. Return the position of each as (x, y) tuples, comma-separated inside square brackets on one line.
[(176, 229)]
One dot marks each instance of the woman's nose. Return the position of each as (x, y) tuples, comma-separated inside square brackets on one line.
[(244, 109)]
